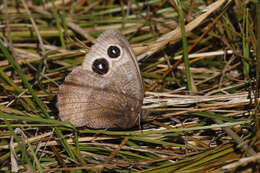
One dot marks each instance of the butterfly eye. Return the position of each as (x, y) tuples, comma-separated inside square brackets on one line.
[(100, 66), (113, 51)]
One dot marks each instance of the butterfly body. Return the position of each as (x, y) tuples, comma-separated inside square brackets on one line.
[(107, 90)]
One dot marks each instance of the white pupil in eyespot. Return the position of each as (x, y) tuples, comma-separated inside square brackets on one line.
[(114, 51), (100, 66)]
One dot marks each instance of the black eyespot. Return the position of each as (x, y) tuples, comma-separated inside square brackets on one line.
[(113, 51), (100, 66)]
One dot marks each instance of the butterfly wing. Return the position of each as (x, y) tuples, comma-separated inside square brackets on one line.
[(110, 100)]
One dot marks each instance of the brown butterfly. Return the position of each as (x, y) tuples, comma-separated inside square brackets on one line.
[(106, 91)]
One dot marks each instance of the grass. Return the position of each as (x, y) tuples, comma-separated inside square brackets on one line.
[(200, 68)]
